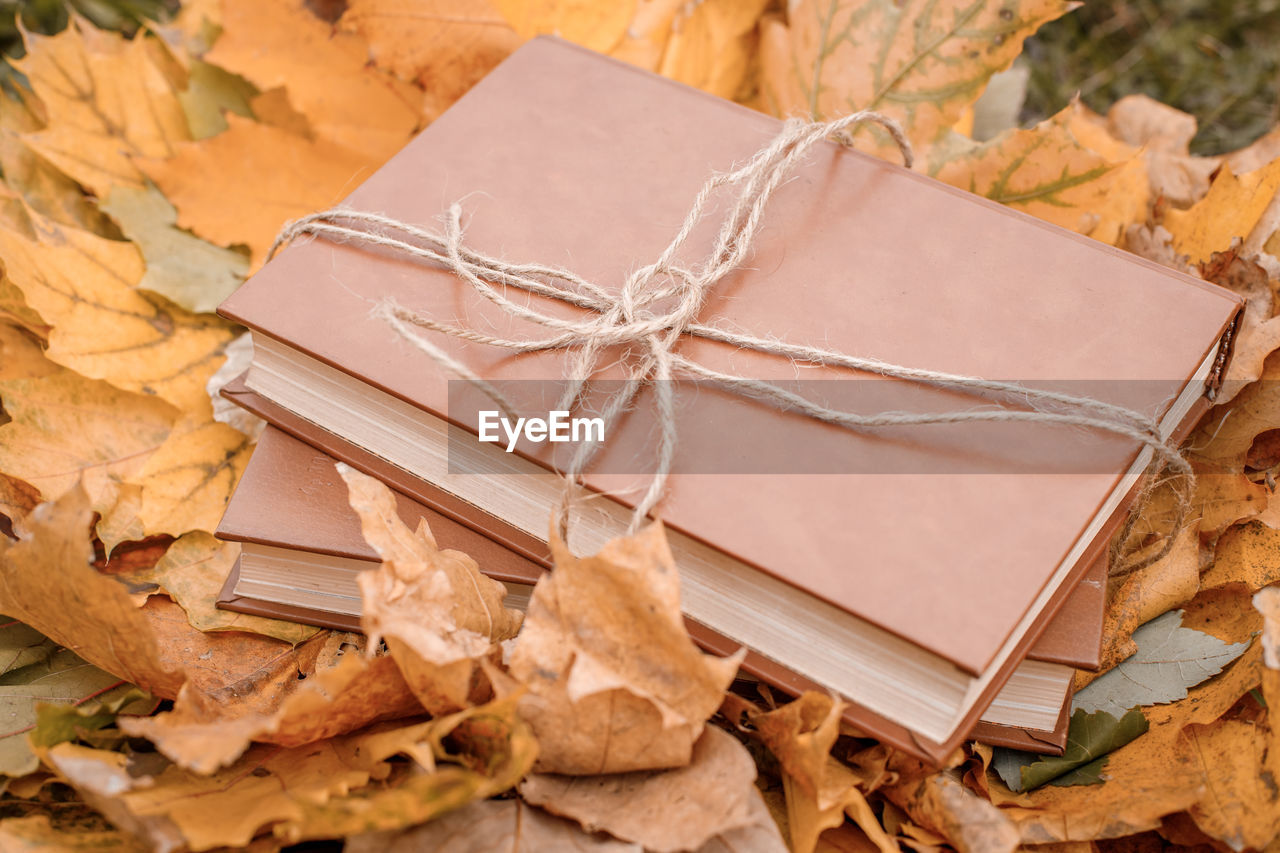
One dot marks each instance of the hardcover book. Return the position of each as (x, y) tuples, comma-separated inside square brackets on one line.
[(908, 569), (302, 549)]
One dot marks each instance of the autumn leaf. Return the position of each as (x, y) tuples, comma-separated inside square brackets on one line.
[(50, 584), (107, 102), (595, 25), (437, 613), (211, 92), (266, 176), (1246, 554), (614, 681), (921, 62), (711, 44), (819, 790), (84, 286), (1267, 602), (1049, 172), (192, 572), (1090, 737), (1239, 760), (444, 45), (327, 74), (180, 267), (91, 833), (511, 826), (663, 811), (1231, 209)]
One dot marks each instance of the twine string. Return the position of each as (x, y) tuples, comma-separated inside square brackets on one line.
[(658, 304)]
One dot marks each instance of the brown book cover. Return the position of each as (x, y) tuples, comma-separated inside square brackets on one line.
[(565, 157), (291, 496)]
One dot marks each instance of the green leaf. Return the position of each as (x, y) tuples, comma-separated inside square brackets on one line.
[(180, 266), (63, 678), (1090, 737), (211, 93), (1169, 660), (61, 723)]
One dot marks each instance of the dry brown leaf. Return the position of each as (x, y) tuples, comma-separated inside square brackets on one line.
[(1164, 133), (107, 101), (1050, 171), (50, 584), (1239, 761), (1226, 435), (615, 683), (1247, 554), (596, 24), (941, 803), (437, 613), (646, 37), (327, 74), (1258, 334), (324, 688), (509, 826), (444, 45), (83, 285), (1231, 209), (819, 789), (920, 61), (266, 176), (663, 811), (711, 45)]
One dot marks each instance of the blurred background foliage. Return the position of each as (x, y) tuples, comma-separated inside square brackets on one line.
[(1216, 59)]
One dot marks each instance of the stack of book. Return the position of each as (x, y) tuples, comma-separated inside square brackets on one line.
[(946, 580)]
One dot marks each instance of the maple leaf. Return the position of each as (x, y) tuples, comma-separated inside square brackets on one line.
[(595, 25), (714, 795), (444, 45), (107, 102), (1231, 209), (711, 44), (438, 614), (327, 74), (921, 62), (266, 176), (614, 681)]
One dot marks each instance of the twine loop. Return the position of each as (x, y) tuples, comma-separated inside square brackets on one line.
[(658, 304)]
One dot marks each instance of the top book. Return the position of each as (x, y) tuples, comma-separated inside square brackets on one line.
[(908, 568)]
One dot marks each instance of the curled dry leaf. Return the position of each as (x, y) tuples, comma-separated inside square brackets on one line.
[(327, 74), (663, 811), (711, 45), (50, 584), (819, 790), (941, 803), (1164, 134), (1267, 602), (438, 614), (509, 826), (1227, 434), (590, 23), (1238, 761), (303, 697), (614, 681), (920, 61), (1247, 554)]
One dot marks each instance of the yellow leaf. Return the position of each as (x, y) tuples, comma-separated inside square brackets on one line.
[(83, 286), (1246, 554), (1231, 209), (327, 74), (920, 61), (596, 24), (646, 37), (711, 44), (1239, 761), (1048, 172), (437, 613), (614, 681), (265, 177), (192, 573), (67, 429), (107, 102), (187, 482), (69, 835), (444, 45)]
